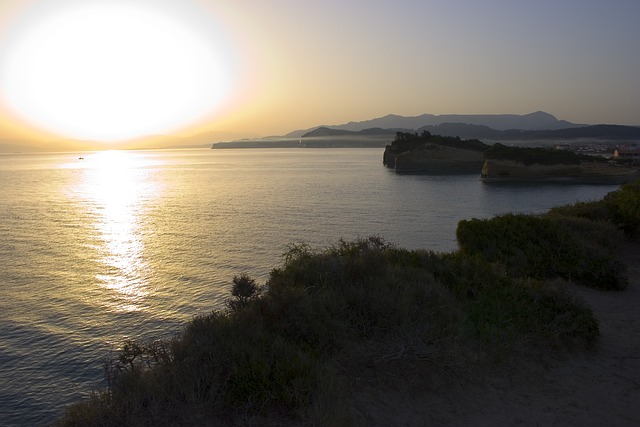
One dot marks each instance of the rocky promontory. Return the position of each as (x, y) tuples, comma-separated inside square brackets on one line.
[(506, 163), (435, 154)]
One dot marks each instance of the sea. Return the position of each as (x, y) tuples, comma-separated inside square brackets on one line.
[(99, 247)]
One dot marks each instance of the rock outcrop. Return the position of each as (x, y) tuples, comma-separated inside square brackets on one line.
[(426, 153), (543, 164), (605, 173)]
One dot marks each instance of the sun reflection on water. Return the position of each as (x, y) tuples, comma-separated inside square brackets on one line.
[(116, 185)]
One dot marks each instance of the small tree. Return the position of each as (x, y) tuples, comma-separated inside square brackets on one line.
[(244, 290)]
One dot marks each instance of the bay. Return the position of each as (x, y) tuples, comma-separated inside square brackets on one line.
[(99, 247)]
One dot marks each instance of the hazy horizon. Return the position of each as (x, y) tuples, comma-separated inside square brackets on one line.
[(101, 70)]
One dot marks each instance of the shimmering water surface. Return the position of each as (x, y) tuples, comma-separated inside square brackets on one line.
[(96, 247)]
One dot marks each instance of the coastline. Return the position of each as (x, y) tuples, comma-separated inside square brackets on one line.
[(405, 331)]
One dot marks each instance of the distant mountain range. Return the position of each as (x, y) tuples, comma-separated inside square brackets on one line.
[(469, 131), (533, 121), (538, 126)]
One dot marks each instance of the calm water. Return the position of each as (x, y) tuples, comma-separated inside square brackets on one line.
[(133, 244)]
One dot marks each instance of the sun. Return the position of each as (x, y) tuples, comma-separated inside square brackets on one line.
[(113, 70)]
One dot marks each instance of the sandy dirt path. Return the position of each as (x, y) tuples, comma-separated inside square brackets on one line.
[(597, 388)]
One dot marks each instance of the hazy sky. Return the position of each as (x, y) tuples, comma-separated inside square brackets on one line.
[(256, 68)]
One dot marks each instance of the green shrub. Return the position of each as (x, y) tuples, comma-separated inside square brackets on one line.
[(625, 208), (407, 288), (244, 290), (593, 211), (546, 247), (223, 365), (502, 312), (620, 207)]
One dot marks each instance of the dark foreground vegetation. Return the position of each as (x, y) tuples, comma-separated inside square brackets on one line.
[(294, 350), (544, 247)]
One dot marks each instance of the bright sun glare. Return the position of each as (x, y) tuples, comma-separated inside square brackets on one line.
[(114, 70), (116, 185)]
